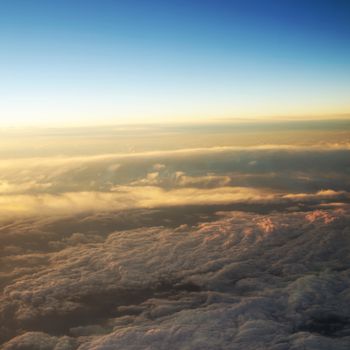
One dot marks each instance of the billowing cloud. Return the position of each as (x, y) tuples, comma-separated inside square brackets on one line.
[(243, 280), (188, 247)]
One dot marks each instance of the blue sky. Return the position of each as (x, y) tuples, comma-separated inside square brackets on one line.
[(102, 61)]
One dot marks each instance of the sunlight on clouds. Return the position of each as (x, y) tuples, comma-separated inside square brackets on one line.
[(109, 246), (123, 197), (117, 181)]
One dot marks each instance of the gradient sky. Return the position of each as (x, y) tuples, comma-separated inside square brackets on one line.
[(98, 62)]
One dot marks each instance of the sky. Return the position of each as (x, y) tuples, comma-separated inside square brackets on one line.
[(174, 174), (110, 62)]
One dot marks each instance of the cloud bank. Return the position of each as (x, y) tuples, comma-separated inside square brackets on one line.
[(188, 247), (182, 177), (243, 280)]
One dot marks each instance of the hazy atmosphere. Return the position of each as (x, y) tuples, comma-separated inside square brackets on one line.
[(174, 175)]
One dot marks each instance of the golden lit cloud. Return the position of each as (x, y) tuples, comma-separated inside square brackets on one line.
[(123, 197)]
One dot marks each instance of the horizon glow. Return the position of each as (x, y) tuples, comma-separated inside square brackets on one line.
[(112, 62)]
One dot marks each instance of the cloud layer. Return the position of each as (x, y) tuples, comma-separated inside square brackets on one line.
[(182, 177), (119, 246), (243, 280)]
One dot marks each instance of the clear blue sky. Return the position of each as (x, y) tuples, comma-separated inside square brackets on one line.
[(104, 61)]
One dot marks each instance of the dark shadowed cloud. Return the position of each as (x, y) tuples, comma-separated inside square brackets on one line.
[(241, 280)]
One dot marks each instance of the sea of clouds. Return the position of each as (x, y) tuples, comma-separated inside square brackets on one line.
[(241, 281), (201, 248)]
